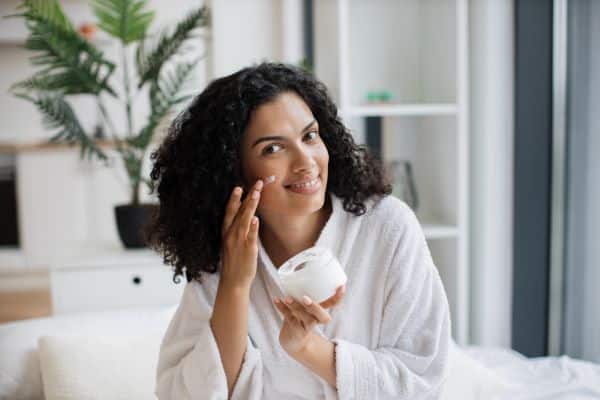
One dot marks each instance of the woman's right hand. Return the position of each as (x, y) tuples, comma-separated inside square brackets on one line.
[(240, 232)]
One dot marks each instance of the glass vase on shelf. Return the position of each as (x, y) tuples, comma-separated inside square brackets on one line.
[(403, 182)]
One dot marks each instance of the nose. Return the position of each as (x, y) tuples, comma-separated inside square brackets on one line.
[(304, 162)]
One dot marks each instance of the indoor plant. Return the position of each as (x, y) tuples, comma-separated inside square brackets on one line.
[(69, 65)]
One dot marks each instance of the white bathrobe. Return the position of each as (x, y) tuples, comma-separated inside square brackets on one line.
[(392, 328)]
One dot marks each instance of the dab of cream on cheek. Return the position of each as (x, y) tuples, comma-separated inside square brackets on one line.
[(269, 179)]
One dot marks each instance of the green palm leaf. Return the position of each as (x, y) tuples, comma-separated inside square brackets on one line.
[(133, 165), (165, 94), (49, 10), (123, 19), (70, 64), (58, 114), (150, 62)]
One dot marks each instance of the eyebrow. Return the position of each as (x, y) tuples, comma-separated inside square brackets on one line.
[(266, 138)]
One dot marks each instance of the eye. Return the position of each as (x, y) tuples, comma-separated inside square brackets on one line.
[(268, 149), (315, 135)]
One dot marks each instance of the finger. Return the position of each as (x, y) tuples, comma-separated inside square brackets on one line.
[(314, 309), (282, 308), (233, 204), (248, 209), (301, 314), (253, 232), (335, 299), (306, 320), (244, 201), (288, 315)]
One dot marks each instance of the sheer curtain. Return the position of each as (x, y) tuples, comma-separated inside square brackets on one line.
[(580, 336)]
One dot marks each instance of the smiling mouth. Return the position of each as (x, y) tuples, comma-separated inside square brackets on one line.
[(305, 185), (308, 188)]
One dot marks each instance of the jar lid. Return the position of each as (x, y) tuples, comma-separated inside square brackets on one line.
[(304, 260)]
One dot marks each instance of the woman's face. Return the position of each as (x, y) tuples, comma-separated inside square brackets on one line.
[(282, 139)]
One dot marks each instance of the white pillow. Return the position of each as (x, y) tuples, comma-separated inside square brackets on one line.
[(468, 379), (20, 374), (102, 367)]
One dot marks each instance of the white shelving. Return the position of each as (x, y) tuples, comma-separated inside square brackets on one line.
[(417, 50), (436, 231), (387, 110)]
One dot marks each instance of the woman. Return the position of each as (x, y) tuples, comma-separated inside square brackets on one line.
[(257, 169)]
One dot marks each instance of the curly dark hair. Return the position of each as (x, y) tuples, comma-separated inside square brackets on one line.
[(199, 162)]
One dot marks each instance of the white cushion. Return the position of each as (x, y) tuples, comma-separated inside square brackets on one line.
[(20, 377), (99, 367)]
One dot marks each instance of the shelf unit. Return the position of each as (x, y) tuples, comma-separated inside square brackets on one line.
[(387, 110), (417, 50)]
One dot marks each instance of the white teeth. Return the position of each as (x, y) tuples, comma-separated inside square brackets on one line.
[(306, 184)]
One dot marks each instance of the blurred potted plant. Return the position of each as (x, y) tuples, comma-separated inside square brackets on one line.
[(69, 65)]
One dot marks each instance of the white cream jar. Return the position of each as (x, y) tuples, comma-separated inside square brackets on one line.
[(314, 272)]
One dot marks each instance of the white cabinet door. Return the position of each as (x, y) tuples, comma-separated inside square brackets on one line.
[(112, 287)]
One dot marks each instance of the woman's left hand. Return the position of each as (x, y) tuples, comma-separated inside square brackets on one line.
[(301, 318)]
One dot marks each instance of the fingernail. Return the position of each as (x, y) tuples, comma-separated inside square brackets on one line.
[(259, 184), (237, 191), (276, 300), (255, 194), (288, 300), (269, 179), (306, 300)]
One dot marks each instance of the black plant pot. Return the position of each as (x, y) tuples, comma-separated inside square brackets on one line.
[(130, 221)]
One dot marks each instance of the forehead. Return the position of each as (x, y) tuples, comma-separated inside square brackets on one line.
[(287, 113)]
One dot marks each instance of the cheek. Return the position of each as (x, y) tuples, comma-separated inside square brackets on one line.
[(322, 156), (255, 170), (265, 170)]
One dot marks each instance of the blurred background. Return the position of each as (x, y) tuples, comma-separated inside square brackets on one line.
[(481, 110)]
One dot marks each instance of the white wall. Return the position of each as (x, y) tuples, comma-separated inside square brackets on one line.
[(248, 32), (591, 327), (492, 122), (581, 325), (591, 339)]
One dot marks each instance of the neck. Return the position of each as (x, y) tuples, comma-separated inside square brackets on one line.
[(283, 241)]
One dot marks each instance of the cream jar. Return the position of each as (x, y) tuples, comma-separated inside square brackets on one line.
[(314, 272)]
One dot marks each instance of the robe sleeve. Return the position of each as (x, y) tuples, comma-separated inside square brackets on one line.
[(189, 364), (411, 357)]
